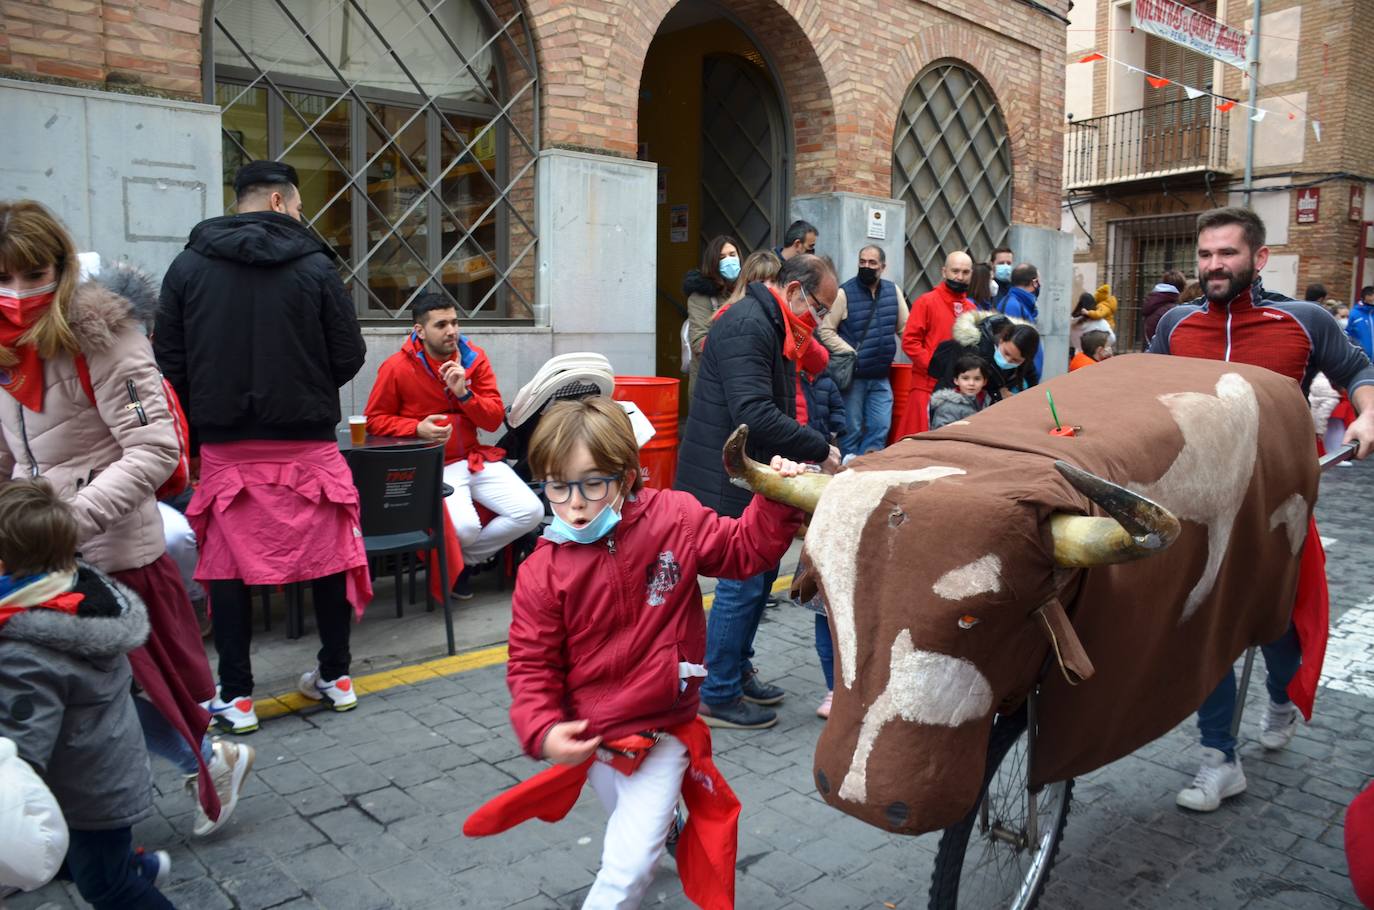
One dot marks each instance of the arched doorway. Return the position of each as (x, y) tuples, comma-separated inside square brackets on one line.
[(951, 165), (711, 116)]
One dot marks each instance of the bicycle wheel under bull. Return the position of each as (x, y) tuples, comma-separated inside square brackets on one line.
[(995, 859)]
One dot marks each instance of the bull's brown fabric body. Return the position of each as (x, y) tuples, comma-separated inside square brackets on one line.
[(950, 566)]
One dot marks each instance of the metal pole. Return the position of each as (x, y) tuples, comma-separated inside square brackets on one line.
[(1242, 691), (1254, 97)]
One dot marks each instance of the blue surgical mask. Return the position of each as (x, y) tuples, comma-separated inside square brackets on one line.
[(592, 531), (1002, 272), (1002, 362), (729, 268)]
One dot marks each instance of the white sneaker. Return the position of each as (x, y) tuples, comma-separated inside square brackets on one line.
[(1280, 723), (823, 709), (229, 765), (237, 716), (1216, 780), (339, 692)]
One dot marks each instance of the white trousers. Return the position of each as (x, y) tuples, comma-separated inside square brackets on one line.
[(181, 546), (518, 510), (641, 807)]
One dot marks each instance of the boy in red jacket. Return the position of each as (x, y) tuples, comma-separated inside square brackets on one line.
[(607, 637), (441, 386)]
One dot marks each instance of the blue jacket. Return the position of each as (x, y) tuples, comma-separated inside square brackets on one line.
[(1360, 327), (824, 405), (1020, 304), (880, 346)]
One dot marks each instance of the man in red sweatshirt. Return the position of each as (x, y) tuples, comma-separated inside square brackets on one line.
[(931, 322), (441, 386)]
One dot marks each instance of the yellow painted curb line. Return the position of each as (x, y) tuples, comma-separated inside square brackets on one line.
[(291, 702)]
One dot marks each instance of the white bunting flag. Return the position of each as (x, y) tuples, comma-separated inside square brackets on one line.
[(1193, 93), (1258, 115)]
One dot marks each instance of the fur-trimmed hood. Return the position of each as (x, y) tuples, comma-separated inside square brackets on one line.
[(696, 283), (110, 621), (968, 325), (108, 304)]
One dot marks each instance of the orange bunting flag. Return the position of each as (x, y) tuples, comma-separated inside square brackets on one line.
[(1156, 81), (1226, 105), (1091, 58)]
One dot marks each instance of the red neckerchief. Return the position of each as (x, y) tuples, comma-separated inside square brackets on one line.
[(62, 603), (799, 328), (23, 380)]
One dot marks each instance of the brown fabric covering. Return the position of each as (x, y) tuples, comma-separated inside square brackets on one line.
[(1153, 668)]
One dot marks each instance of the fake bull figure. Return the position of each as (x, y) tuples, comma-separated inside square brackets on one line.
[(1139, 558)]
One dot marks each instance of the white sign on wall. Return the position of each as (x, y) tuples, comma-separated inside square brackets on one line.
[(1181, 24), (877, 224)]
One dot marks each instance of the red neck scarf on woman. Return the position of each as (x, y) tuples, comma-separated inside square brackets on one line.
[(799, 328), (19, 311)]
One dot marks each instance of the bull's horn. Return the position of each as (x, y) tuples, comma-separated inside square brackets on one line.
[(799, 492), (1137, 527)]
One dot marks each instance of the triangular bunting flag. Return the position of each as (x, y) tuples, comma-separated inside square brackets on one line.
[(1317, 129), (1226, 106), (1292, 116), (1258, 115), (1091, 58), (1157, 81), (1193, 93)]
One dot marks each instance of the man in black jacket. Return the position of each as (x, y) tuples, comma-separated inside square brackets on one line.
[(748, 376), (256, 334)]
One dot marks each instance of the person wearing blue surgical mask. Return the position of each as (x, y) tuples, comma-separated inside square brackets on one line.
[(706, 290), (1014, 348), (1002, 261)]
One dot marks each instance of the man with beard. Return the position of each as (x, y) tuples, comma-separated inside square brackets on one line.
[(1238, 321), (441, 387), (868, 315)]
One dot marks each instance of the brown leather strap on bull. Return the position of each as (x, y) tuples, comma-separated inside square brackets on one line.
[(1068, 650)]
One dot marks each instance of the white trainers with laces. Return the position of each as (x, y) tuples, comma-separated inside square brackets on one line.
[(339, 692), (236, 716), (1280, 723), (229, 765), (1216, 780)]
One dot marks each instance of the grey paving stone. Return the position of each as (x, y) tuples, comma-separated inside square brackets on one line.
[(347, 825), (388, 805), (376, 853), (354, 891), (413, 884), (478, 888), (831, 894), (319, 798), (257, 889), (357, 779), (320, 864), (781, 871), (286, 777), (201, 893)]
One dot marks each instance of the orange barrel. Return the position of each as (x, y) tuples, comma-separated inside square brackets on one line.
[(900, 376), (656, 397)]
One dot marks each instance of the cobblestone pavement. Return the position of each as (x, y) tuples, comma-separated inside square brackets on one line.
[(363, 810)]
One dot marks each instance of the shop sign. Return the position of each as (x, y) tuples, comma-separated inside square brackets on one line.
[(1309, 204), (1356, 203)]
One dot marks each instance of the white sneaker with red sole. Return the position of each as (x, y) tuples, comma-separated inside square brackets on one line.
[(236, 715), (339, 692)]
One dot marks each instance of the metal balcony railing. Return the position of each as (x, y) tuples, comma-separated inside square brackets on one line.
[(1177, 137)]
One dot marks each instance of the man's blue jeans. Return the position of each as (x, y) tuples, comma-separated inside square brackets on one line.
[(867, 415), (825, 650), (102, 865), (1281, 660), (730, 628)]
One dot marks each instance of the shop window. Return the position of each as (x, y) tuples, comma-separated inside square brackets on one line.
[(412, 125)]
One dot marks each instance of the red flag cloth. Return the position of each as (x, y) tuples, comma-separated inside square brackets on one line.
[(1094, 56), (1157, 81), (1226, 105), (62, 603), (453, 559), (705, 851), (1359, 846), (1311, 618)]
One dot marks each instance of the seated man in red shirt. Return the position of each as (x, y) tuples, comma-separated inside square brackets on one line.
[(441, 386)]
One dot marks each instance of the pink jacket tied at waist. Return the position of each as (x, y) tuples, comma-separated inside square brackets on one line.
[(276, 512)]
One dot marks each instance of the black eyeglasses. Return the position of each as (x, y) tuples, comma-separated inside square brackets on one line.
[(593, 489)]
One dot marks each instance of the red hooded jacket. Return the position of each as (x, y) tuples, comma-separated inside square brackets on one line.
[(598, 630), (409, 389)]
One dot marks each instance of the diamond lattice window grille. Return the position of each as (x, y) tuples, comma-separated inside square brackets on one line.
[(414, 127), (951, 165)]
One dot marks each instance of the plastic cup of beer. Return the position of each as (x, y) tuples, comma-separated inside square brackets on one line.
[(357, 429)]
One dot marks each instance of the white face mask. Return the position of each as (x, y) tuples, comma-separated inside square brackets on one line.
[(11, 294)]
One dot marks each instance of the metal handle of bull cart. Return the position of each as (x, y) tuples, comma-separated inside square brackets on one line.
[(1344, 453)]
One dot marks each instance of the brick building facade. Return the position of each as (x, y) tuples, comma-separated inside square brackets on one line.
[(1176, 157), (563, 181)]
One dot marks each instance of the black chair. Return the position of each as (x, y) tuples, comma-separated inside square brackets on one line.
[(400, 493)]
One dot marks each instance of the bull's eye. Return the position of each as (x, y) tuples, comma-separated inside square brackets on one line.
[(968, 622)]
